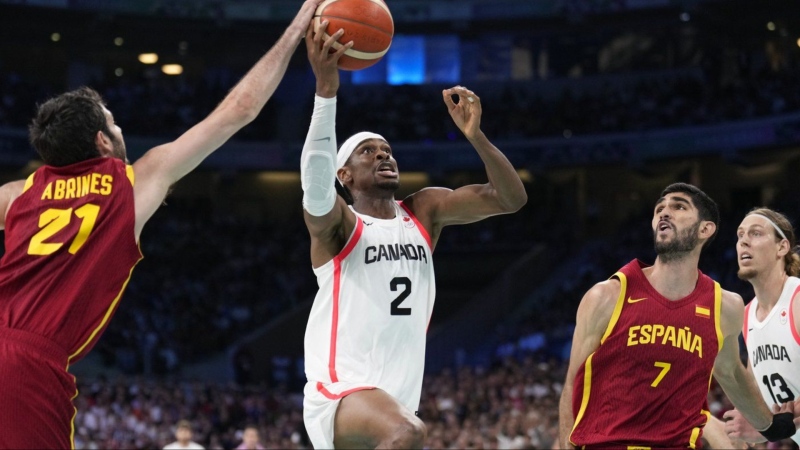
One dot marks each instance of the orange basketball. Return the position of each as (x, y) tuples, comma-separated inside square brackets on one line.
[(368, 23)]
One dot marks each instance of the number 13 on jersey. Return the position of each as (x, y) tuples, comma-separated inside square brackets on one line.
[(54, 220)]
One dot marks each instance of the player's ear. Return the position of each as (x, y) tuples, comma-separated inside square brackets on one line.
[(104, 145), (707, 229), (344, 175), (783, 248)]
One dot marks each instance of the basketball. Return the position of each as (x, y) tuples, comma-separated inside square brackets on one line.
[(368, 23)]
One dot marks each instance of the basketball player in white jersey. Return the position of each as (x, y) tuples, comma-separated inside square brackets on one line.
[(765, 249), (365, 339)]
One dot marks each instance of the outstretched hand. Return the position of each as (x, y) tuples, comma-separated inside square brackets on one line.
[(737, 427), (467, 112), (324, 58)]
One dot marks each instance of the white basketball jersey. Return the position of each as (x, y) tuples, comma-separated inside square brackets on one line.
[(369, 320), (773, 347)]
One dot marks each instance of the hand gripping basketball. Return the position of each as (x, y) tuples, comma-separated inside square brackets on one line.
[(368, 23)]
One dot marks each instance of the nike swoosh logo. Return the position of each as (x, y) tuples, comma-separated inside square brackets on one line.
[(749, 329), (326, 138), (636, 300), (366, 223)]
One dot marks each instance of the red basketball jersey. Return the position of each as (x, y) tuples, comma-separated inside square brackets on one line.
[(70, 251), (647, 383)]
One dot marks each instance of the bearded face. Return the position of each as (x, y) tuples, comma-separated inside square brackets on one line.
[(678, 245)]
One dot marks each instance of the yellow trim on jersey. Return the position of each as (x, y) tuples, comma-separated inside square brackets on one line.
[(74, 413), (587, 372), (696, 430), (623, 281), (587, 389), (107, 315), (28, 183), (130, 174), (717, 309)]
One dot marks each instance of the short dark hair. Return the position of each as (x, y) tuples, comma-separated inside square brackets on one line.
[(707, 208), (184, 424), (64, 128)]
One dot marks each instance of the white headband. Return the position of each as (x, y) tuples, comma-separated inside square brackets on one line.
[(780, 232), (351, 143)]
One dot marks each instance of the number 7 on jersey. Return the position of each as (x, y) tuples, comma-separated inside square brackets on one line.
[(664, 369)]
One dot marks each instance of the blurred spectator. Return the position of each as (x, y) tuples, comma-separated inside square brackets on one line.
[(250, 439), (183, 436)]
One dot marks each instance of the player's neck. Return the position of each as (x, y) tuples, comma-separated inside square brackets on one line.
[(676, 278), (377, 207), (768, 287)]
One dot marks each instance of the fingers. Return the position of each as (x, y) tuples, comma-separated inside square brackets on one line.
[(463, 94), (326, 47), (729, 414), (326, 44), (783, 408), (448, 99)]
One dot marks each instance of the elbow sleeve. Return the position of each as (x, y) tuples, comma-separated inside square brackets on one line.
[(318, 160)]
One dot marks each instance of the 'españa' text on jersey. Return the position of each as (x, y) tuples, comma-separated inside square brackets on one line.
[(646, 385)]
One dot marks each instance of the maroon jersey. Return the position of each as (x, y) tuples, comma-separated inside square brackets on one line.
[(647, 383), (70, 251)]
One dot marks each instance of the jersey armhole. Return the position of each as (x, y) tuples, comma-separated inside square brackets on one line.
[(623, 287), (746, 320), (129, 172), (351, 243), (28, 183), (422, 229), (792, 319)]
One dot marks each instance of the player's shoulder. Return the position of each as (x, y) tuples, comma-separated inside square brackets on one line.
[(731, 313), (425, 199), (427, 195), (731, 301), (11, 190), (603, 294), (13, 187)]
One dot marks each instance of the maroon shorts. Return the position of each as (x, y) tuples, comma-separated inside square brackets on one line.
[(36, 408)]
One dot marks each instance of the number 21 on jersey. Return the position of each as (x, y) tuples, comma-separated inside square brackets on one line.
[(54, 220)]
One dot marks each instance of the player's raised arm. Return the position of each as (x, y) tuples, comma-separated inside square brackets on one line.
[(8, 192), (162, 166), (504, 193), (594, 315), (739, 385), (327, 217)]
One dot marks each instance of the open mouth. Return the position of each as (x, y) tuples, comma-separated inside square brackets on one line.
[(745, 257), (387, 170), (664, 226)]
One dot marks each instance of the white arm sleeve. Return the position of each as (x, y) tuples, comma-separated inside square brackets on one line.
[(318, 160)]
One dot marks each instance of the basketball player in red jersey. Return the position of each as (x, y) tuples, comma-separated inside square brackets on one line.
[(365, 338), (646, 342), (72, 231)]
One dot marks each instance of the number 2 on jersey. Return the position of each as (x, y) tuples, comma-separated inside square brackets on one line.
[(664, 369), (54, 220), (406, 283)]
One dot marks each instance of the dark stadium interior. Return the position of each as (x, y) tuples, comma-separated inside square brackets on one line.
[(600, 104)]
